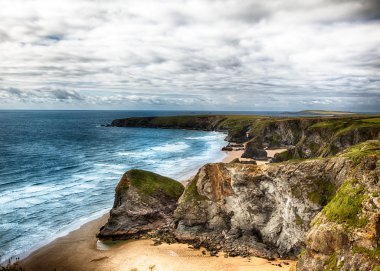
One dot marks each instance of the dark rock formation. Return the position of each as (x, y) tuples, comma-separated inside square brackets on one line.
[(255, 153), (144, 201)]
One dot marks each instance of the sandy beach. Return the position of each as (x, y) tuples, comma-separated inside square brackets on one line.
[(81, 251), (231, 155)]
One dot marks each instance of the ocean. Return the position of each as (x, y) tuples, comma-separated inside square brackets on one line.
[(59, 169)]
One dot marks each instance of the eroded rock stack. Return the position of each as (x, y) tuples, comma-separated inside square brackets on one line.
[(144, 201)]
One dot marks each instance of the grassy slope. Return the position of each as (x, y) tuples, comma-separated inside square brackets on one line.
[(149, 183)]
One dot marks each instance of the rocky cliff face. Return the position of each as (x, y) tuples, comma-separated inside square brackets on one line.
[(307, 138), (345, 234), (144, 201), (259, 210), (235, 126), (328, 208)]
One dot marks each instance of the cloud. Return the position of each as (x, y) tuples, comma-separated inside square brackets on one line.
[(205, 54), (40, 95)]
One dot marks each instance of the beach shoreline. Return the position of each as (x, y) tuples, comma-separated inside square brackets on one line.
[(81, 250)]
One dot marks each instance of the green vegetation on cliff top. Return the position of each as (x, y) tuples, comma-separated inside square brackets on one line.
[(357, 152), (149, 183), (325, 112), (343, 125)]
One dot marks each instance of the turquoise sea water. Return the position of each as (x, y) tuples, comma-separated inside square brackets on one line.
[(58, 169)]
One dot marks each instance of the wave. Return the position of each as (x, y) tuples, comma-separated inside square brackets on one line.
[(213, 136), (172, 147), (45, 200)]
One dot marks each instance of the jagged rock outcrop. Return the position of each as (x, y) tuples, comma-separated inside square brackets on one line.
[(260, 210), (144, 201), (345, 235)]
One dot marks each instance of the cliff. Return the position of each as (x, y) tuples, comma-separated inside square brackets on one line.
[(259, 210), (330, 206), (345, 234), (235, 126), (311, 137), (305, 137), (144, 201), (323, 209)]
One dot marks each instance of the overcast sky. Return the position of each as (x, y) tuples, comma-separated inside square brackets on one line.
[(196, 54)]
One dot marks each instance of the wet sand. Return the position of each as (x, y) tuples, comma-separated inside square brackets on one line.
[(79, 251)]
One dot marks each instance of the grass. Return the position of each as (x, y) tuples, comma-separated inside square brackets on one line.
[(357, 152), (373, 254), (346, 206), (344, 125), (372, 120), (149, 183), (191, 193), (331, 263)]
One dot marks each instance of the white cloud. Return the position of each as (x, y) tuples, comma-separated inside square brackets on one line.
[(217, 54)]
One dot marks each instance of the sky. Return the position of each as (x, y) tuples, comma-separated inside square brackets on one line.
[(190, 54)]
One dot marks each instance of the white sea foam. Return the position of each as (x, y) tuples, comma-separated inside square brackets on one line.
[(212, 136), (172, 147)]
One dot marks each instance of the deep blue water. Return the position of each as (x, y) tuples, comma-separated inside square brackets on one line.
[(59, 169)]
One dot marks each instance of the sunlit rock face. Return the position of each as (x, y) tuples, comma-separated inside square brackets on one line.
[(261, 210)]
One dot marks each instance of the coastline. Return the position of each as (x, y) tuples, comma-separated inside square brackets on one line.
[(80, 250)]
